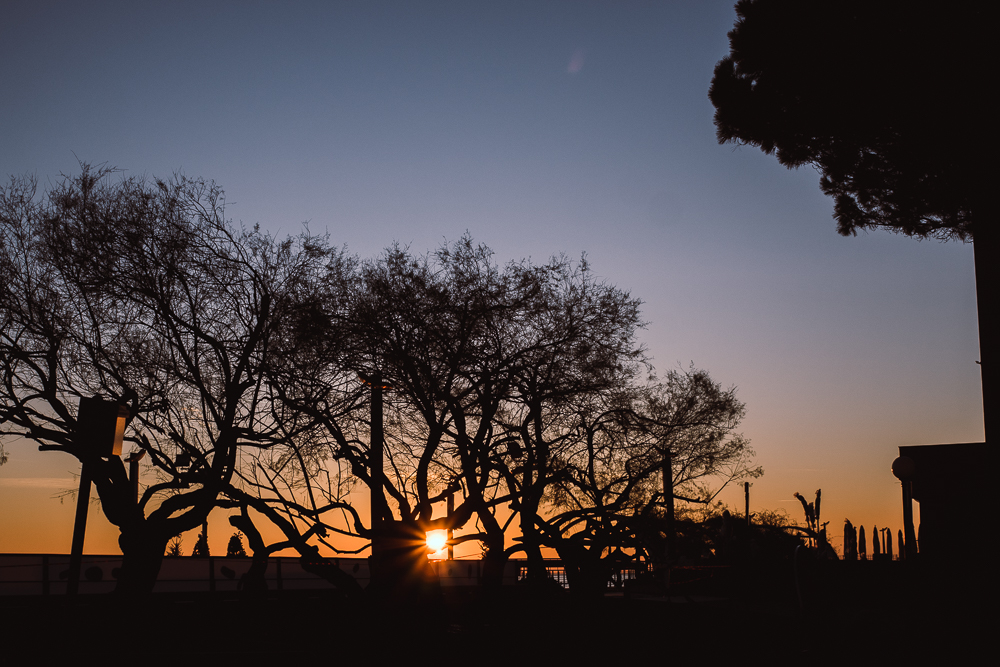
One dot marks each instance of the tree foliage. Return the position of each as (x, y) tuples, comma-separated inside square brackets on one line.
[(235, 548), (889, 103), (174, 548), (201, 547), (886, 100)]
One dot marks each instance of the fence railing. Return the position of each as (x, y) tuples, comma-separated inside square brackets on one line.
[(48, 574)]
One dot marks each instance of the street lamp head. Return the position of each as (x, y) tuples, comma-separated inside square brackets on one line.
[(101, 426), (903, 467), (372, 380)]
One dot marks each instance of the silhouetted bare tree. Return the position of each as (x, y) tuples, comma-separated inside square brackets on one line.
[(623, 459), (246, 365), (458, 339), (142, 291)]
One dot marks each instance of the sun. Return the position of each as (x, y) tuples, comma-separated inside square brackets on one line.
[(436, 541)]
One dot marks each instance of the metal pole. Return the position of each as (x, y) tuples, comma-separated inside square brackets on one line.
[(746, 491), (79, 528), (451, 532), (905, 470)]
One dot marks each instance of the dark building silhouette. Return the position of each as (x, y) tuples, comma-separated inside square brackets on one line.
[(952, 483)]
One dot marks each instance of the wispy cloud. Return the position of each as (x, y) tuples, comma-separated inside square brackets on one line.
[(576, 61)]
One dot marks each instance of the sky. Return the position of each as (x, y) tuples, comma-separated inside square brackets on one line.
[(539, 128)]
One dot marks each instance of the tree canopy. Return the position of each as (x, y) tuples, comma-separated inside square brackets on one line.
[(885, 99)]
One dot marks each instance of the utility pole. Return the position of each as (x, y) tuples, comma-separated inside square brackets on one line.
[(376, 446)]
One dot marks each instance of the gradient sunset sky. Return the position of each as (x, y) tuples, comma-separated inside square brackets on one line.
[(539, 128)]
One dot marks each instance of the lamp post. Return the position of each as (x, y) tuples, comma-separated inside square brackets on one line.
[(100, 429), (375, 450), (382, 542), (905, 469)]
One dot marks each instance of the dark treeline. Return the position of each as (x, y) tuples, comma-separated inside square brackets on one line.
[(516, 393)]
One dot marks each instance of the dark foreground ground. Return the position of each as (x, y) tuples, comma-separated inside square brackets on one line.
[(841, 614)]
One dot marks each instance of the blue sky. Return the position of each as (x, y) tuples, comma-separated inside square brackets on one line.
[(539, 128)]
